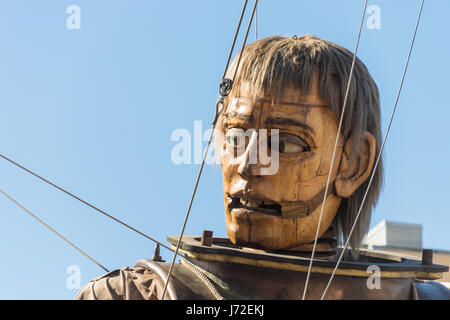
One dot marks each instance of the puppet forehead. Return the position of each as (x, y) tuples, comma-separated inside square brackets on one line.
[(247, 92), (290, 100)]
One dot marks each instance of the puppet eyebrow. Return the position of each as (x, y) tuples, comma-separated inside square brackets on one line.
[(296, 104), (240, 116), (304, 105), (288, 122)]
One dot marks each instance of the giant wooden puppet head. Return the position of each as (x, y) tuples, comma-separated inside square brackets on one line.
[(286, 100)]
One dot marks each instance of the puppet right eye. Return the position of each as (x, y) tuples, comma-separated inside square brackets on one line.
[(235, 137)]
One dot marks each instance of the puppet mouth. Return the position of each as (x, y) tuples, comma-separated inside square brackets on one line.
[(254, 205), (260, 206)]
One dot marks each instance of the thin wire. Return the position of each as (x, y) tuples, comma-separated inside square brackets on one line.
[(334, 151), (203, 162), (85, 202), (245, 40), (256, 25), (53, 230), (379, 154), (234, 40)]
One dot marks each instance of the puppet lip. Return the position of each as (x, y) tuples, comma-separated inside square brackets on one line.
[(254, 205)]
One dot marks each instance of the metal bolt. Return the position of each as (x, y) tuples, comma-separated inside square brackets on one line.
[(427, 257), (156, 256), (207, 238)]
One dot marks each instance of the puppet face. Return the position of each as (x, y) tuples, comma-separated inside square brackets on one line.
[(280, 210)]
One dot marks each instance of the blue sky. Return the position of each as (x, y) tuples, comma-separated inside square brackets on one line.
[(93, 111)]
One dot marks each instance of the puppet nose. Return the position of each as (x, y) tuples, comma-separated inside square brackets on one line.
[(256, 161), (249, 161)]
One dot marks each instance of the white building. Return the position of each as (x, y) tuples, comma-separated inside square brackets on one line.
[(395, 235), (404, 239)]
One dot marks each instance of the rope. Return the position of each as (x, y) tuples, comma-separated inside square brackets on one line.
[(207, 148), (85, 202), (256, 25), (245, 40), (53, 230), (195, 269), (334, 151), (381, 150), (234, 40)]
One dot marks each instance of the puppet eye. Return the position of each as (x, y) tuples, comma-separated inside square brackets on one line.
[(290, 143), (235, 137)]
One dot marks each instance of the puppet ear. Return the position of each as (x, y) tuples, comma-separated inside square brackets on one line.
[(353, 174)]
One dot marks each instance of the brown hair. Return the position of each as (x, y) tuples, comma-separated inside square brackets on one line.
[(276, 62)]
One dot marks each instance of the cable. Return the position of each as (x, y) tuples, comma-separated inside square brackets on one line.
[(234, 39), (199, 273), (334, 151), (256, 25), (85, 202), (245, 40), (379, 154), (53, 230), (206, 152)]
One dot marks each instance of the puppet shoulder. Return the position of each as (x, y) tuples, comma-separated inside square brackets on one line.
[(136, 283), (429, 290), (145, 282)]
